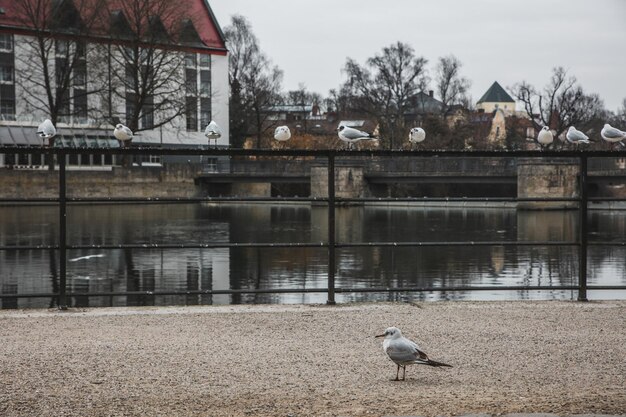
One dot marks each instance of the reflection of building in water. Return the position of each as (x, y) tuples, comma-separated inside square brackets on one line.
[(497, 260), (557, 225)]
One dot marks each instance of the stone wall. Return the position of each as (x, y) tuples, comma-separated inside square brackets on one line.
[(174, 180), (542, 178), (349, 181)]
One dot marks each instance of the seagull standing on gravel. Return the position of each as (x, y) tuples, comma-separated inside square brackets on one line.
[(575, 136), (122, 133), (613, 135), (351, 136), (46, 130), (417, 135), (213, 131), (404, 352), (545, 137)]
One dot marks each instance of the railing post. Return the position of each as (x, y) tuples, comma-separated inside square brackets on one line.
[(62, 302), (331, 228), (582, 240)]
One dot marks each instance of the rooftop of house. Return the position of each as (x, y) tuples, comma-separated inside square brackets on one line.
[(496, 94)]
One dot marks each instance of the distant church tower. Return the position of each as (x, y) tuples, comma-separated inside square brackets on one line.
[(496, 99)]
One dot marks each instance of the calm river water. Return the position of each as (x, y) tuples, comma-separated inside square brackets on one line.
[(36, 271)]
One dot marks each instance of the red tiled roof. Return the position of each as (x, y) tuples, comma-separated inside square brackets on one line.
[(198, 11)]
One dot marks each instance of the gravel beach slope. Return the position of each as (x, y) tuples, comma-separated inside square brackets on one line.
[(557, 357)]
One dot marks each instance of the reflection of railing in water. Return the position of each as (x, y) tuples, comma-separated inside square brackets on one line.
[(501, 161)]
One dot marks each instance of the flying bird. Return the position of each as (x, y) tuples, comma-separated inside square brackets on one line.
[(417, 135), (213, 131), (46, 130), (122, 133), (351, 135), (575, 136), (545, 137), (403, 352), (282, 133), (613, 135)]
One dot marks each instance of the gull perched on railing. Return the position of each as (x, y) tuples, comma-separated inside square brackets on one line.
[(351, 135), (282, 133), (213, 131), (122, 133), (403, 352), (46, 130), (417, 135), (575, 136), (613, 135), (545, 137)]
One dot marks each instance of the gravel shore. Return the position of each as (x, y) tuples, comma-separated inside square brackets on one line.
[(508, 357)]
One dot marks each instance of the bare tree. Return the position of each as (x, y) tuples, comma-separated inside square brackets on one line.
[(303, 100), (561, 104), (451, 86), (54, 58), (384, 87), (146, 63), (254, 83)]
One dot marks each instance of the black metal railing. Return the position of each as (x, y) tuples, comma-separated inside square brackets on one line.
[(331, 201)]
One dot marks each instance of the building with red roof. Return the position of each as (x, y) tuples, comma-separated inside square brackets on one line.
[(184, 34)]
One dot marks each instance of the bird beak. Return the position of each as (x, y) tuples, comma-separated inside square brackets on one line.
[(380, 335)]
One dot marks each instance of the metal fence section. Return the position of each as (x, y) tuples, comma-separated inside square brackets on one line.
[(501, 162)]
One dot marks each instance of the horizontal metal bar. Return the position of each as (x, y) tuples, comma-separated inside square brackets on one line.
[(319, 290), (138, 150), (151, 246), (469, 243), (455, 199)]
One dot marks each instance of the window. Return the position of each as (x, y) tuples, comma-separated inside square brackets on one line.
[(6, 42), (191, 81), (7, 102), (190, 60), (80, 106), (205, 60), (205, 112), (130, 107), (64, 106), (205, 83), (62, 47), (6, 73), (191, 114), (147, 113), (80, 73), (61, 70)]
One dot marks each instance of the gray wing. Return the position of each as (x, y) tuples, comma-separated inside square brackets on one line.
[(127, 131), (611, 132), (405, 351), (577, 136), (351, 133)]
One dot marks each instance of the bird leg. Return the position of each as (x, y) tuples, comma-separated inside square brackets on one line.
[(397, 374), (403, 372)]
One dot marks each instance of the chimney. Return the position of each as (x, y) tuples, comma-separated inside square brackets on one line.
[(431, 93)]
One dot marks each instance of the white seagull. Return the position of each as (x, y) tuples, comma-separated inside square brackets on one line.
[(282, 133), (575, 136), (122, 133), (404, 352), (46, 130), (611, 134), (213, 131), (351, 136), (545, 137), (417, 135)]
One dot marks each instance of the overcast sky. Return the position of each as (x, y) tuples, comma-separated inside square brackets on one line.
[(496, 40)]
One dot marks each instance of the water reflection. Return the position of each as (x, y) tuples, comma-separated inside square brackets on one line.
[(120, 270)]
